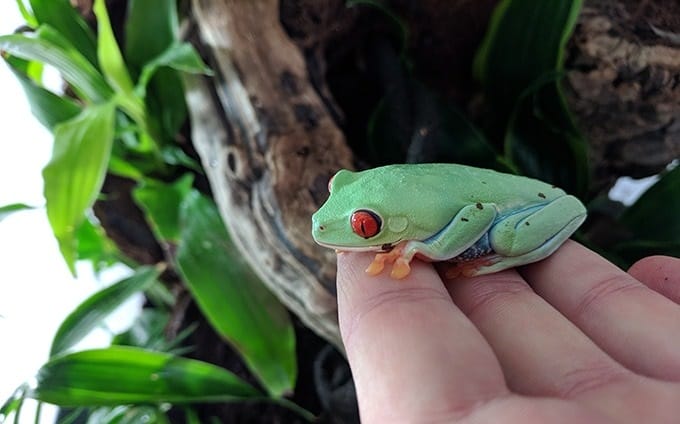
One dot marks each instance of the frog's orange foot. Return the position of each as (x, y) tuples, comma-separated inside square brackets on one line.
[(469, 269), (400, 269)]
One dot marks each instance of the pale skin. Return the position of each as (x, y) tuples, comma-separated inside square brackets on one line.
[(570, 339)]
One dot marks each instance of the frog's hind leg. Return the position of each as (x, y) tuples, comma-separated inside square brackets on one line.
[(533, 234)]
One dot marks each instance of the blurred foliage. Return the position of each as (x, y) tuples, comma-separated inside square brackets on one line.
[(120, 115)]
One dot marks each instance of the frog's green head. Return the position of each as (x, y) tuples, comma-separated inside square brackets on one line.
[(365, 211)]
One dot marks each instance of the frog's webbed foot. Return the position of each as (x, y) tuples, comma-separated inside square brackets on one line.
[(470, 268), (400, 267)]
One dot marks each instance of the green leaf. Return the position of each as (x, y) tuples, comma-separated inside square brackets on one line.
[(13, 404), (525, 40), (164, 97), (654, 221), (91, 313), (75, 173), (124, 375), (128, 415), (518, 64), (149, 332), (8, 210), (161, 202), (48, 46), (110, 58), (151, 41), (181, 57), (26, 13), (159, 77), (123, 168), (46, 106), (233, 299), (60, 15), (115, 71), (93, 245), (543, 141), (175, 156), (150, 28)]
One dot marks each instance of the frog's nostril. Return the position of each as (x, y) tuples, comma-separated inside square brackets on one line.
[(321, 228)]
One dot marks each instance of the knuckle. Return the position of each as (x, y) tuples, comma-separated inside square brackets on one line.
[(492, 292), (387, 302), (604, 291), (593, 377)]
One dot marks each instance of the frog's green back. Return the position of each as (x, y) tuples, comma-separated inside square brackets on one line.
[(462, 185)]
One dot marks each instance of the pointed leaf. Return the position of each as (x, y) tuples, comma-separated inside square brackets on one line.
[(525, 40), (181, 57), (233, 299), (63, 17), (150, 28), (13, 404), (518, 64), (110, 58), (26, 13), (8, 210), (75, 173), (544, 143), (49, 108), (115, 71), (161, 202), (48, 46), (162, 87), (91, 313), (124, 375), (93, 245)]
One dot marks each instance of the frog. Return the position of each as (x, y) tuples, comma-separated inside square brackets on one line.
[(480, 220)]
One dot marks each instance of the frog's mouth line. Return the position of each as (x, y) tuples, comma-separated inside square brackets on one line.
[(339, 248)]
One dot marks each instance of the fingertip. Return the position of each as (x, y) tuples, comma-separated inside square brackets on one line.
[(357, 290), (408, 333), (659, 273)]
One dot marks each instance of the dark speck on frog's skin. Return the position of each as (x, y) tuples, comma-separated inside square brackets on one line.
[(479, 206), (541, 195), (464, 219)]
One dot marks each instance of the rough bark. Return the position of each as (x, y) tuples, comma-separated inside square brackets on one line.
[(269, 147), (624, 80)]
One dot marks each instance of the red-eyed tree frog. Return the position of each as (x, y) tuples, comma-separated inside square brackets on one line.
[(482, 220)]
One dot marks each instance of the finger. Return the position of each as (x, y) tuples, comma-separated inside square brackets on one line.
[(520, 409), (540, 351), (659, 273), (543, 354), (414, 356), (635, 325)]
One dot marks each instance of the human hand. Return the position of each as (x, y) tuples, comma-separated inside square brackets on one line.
[(570, 339)]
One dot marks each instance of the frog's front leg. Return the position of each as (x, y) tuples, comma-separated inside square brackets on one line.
[(467, 226)]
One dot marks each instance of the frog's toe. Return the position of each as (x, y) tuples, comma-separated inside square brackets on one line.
[(472, 268), (400, 269), (375, 267)]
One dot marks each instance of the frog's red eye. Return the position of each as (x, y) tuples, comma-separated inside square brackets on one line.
[(365, 223)]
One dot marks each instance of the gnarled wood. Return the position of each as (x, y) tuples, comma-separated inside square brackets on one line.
[(269, 147)]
